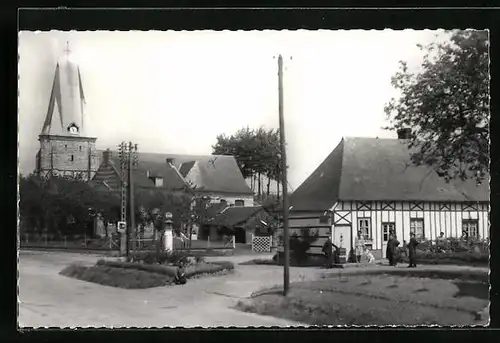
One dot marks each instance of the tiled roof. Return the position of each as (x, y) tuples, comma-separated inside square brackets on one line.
[(171, 179), (371, 169), (235, 216), (218, 173)]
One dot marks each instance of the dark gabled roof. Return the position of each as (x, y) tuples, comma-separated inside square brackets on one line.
[(371, 169), (186, 167), (217, 173), (155, 167), (235, 216), (213, 210)]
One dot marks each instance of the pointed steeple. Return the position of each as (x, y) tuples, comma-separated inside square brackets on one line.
[(65, 115)]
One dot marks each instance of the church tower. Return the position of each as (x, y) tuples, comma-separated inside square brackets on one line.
[(65, 147)]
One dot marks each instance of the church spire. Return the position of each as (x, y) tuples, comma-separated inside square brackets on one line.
[(65, 115)]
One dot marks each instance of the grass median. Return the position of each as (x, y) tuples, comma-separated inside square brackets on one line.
[(130, 275)]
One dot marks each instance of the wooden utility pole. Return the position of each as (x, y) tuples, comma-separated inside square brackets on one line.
[(132, 160), (286, 271)]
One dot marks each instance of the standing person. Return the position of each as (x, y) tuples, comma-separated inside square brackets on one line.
[(412, 250), (392, 245), (328, 251), (359, 244)]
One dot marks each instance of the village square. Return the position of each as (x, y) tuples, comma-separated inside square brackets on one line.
[(200, 217)]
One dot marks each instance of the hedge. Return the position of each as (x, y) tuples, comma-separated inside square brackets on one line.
[(191, 270), (151, 268)]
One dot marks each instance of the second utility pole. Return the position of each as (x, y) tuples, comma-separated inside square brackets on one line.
[(286, 271)]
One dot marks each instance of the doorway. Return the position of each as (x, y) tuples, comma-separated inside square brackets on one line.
[(387, 228), (342, 237)]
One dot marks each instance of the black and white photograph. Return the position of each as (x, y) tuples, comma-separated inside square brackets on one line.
[(261, 178)]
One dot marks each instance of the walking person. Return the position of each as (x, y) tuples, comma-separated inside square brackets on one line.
[(392, 246), (359, 245), (412, 250)]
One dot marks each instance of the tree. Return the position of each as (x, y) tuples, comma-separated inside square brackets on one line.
[(446, 106), (256, 152), (63, 206)]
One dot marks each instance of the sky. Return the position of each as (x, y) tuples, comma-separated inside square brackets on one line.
[(175, 91)]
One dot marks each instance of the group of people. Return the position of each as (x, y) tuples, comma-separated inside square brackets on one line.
[(331, 250), (392, 249)]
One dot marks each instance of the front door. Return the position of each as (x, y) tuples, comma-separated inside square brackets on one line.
[(386, 229), (342, 237)]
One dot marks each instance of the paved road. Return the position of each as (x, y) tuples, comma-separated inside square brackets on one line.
[(47, 299)]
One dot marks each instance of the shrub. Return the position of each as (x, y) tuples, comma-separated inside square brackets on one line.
[(300, 245), (455, 245), (150, 257), (199, 259), (151, 268), (454, 250), (209, 268), (206, 268)]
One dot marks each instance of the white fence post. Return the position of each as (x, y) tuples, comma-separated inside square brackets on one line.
[(208, 241), (234, 242), (64, 240)]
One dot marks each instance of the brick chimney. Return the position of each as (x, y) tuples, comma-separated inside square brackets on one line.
[(170, 161), (105, 156), (404, 133)]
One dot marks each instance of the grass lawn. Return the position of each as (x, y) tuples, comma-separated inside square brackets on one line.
[(376, 300)]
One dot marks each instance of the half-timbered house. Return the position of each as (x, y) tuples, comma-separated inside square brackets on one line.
[(370, 185)]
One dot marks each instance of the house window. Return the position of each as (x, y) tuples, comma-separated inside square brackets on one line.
[(80, 147), (417, 227), (71, 158), (471, 227), (65, 146), (365, 227), (387, 229), (239, 203)]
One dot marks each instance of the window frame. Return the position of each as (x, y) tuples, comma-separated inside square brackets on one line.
[(388, 224), (468, 222), (419, 220), (239, 201), (369, 235)]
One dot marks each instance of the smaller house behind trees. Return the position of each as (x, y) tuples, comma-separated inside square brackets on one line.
[(242, 222)]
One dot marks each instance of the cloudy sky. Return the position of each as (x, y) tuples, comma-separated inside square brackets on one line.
[(176, 91)]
